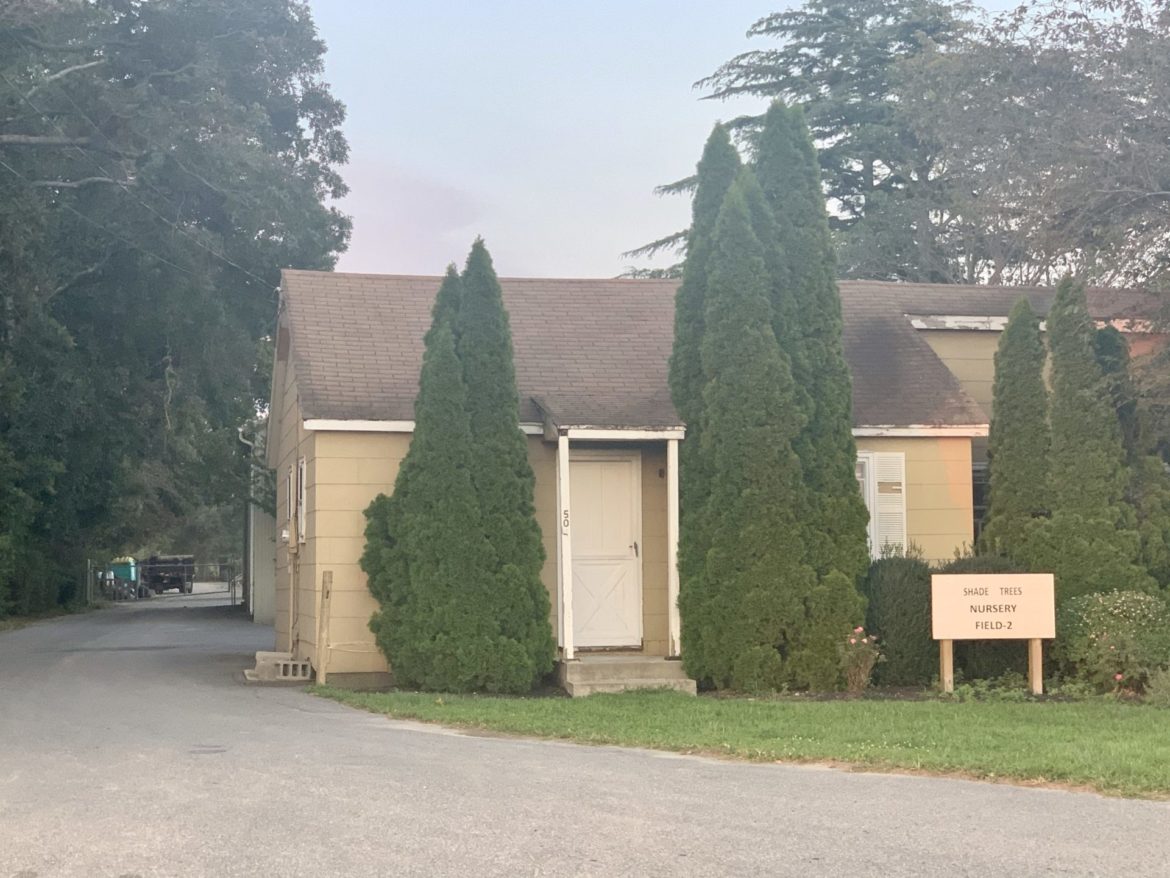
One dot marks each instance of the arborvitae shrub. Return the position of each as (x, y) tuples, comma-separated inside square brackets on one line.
[(1091, 541), (898, 591), (500, 470), (743, 611), (1019, 441), (717, 170), (807, 322), (454, 556)]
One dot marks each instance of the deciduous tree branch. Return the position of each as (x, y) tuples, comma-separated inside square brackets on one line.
[(41, 140), (77, 184), (61, 74)]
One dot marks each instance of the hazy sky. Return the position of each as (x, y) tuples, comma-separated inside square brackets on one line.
[(541, 125)]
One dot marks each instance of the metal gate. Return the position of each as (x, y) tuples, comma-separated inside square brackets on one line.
[(126, 579)]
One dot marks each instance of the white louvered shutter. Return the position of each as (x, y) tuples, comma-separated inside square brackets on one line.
[(890, 515)]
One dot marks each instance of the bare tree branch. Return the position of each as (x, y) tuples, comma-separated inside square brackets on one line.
[(42, 140), (61, 74), (77, 184), (82, 275)]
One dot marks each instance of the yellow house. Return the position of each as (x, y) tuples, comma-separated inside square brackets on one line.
[(603, 438)]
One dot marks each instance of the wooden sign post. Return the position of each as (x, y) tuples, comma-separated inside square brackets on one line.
[(993, 606)]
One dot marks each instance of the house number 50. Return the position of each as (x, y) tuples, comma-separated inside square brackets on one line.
[(565, 519)]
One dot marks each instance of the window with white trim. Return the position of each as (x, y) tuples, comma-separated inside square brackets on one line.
[(881, 477)]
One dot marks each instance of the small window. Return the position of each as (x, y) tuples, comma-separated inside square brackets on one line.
[(980, 488), (302, 474), (290, 509)]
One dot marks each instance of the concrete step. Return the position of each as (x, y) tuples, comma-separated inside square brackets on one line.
[(579, 690), (278, 667), (618, 673), (589, 669)]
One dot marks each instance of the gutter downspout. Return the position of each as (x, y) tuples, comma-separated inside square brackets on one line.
[(249, 524)]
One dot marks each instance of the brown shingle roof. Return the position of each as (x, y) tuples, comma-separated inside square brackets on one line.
[(594, 352)]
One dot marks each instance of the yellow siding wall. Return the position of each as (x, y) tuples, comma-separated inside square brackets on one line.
[(346, 473), (970, 355), (543, 458), (296, 605), (655, 639), (939, 501)]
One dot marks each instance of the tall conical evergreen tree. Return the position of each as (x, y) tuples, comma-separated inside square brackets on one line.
[(431, 627), (445, 311), (1019, 440), (716, 172), (1149, 485), (741, 612), (384, 557), (807, 322), (1090, 541), (502, 475)]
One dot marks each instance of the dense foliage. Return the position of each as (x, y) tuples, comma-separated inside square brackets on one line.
[(747, 602), (436, 559), (1019, 441), (454, 555), (717, 171), (159, 163), (806, 317), (1091, 540), (756, 614), (501, 474), (898, 592), (1114, 640)]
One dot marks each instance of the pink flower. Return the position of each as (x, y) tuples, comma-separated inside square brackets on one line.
[(858, 630), (1119, 677), (853, 640)]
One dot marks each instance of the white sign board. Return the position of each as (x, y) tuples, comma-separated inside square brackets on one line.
[(993, 606)]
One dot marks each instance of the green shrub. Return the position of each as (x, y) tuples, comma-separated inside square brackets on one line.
[(987, 659), (1115, 640), (1158, 688), (898, 590)]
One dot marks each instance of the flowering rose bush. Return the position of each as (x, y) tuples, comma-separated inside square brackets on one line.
[(1114, 640), (859, 655)]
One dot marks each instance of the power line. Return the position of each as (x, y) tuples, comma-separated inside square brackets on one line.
[(122, 185), (97, 225)]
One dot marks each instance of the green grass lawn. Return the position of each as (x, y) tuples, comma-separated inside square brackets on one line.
[(1112, 747)]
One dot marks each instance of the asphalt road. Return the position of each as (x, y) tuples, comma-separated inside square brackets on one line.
[(130, 746)]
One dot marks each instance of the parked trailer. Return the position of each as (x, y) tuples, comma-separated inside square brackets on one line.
[(161, 572)]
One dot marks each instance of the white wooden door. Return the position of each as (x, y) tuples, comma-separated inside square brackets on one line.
[(607, 532)]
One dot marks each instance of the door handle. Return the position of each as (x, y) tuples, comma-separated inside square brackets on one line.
[(635, 548)]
